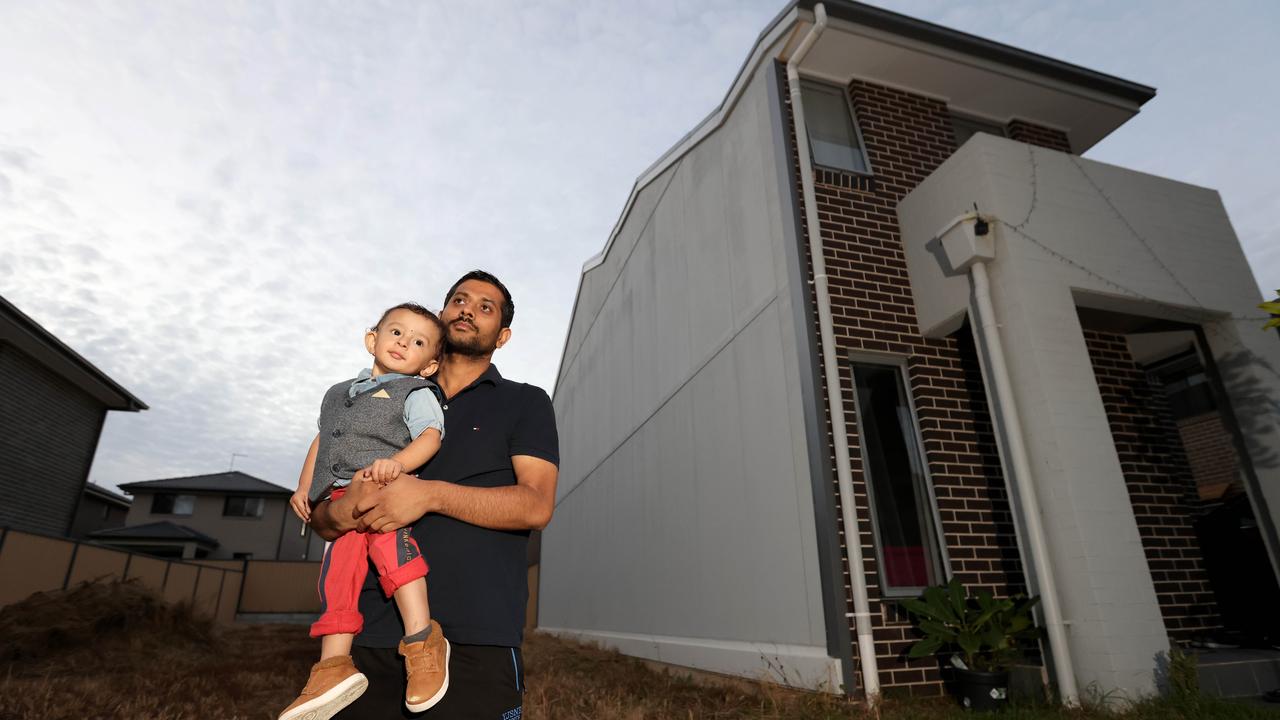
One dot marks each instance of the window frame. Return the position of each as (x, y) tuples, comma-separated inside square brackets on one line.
[(173, 508), (978, 124), (261, 507), (938, 554), (843, 91)]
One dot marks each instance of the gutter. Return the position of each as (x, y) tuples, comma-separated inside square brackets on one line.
[(835, 396), (969, 244)]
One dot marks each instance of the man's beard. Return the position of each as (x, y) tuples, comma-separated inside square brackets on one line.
[(473, 346)]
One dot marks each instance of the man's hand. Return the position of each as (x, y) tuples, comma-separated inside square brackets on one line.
[(301, 504), (394, 506), (332, 518), (384, 471)]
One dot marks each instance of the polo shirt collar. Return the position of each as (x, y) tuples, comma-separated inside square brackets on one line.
[(490, 376)]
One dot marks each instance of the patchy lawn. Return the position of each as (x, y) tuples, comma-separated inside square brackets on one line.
[(113, 651)]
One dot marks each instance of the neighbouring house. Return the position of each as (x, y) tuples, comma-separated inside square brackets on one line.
[(1066, 392), (100, 509), (55, 404), (229, 515)]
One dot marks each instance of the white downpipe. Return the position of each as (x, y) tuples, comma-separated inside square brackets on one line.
[(1063, 670), (844, 476)]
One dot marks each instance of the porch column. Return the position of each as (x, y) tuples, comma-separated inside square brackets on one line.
[(1108, 598)]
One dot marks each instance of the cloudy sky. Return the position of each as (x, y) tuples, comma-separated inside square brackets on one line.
[(211, 200)]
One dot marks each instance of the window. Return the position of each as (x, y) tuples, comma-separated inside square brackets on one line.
[(965, 128), (242, 507), (901, 505), (1186, 384), (172, 504), (834, 141)]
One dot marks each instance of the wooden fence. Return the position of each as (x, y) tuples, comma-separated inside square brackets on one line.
[(221, 589)]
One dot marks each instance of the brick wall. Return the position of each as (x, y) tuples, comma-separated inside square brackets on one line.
[(1210, 450), (1160, 485), (1026, 132), (906, 138), (48, 434)]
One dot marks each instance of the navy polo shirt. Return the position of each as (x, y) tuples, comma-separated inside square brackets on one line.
[(478, 582)]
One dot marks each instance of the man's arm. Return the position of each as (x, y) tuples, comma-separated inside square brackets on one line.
[(527, 505)]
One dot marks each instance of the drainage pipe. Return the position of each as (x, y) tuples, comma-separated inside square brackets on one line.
[(990, 336), (839, 434)]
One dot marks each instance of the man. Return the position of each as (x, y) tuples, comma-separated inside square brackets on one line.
[(493, 480)]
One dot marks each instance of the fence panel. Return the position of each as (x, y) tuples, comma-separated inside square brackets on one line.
[(205, 599), (92, 563), (148, 571), (278, 586), (180, 583), (229, 596), (32, 563)]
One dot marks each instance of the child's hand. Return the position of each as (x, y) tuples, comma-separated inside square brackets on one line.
[(385, 470), (301, 504)]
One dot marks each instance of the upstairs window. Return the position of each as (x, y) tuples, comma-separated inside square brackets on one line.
[(172, 504), (834, 141), (965, 128), (902, 507), (242, 507)]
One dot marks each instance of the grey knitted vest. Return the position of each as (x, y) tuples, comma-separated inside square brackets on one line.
[(355, 431)]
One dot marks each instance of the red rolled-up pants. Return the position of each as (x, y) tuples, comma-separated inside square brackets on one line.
[(395, 556)]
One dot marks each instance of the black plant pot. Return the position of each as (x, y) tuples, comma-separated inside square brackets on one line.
[(982, 690)]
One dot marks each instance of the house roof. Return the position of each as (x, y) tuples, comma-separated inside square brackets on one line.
[(980, 47), (230, 482), (163, 530), (31, 338), (106, 495)]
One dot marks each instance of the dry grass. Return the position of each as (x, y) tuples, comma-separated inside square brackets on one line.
[(115, 652)]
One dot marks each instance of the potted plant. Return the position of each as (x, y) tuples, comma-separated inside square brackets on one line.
[(986, 636)]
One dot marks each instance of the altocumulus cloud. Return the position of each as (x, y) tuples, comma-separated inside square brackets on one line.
[(212, 201)]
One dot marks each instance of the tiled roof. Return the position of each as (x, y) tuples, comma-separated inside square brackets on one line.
[(231, 482), (163, 530)]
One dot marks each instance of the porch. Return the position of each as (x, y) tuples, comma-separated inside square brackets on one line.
[(1083, 256)]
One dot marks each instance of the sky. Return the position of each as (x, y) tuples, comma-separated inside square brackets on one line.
[(211, 201)]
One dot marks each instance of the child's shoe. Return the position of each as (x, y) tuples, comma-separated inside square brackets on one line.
[(427, 665), (334, 684)]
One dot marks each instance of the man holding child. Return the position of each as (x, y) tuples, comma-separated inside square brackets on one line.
[(471, 507)]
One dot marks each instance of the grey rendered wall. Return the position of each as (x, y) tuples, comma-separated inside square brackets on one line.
[(684, 525), (48, 434), (1109, 238)]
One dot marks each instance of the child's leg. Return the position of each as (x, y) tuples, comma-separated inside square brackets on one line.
[(342, 574), (415, 609), (335, 645), (402, 573)]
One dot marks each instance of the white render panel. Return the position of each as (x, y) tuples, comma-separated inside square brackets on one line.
[(684, 515), (1110, 234)]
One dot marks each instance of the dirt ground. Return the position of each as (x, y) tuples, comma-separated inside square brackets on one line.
[(115, 652)]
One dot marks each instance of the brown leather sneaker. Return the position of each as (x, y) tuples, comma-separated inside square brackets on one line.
[(427, 665), (334, 684)]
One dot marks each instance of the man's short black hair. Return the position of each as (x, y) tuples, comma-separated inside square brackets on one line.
[(508, 305)]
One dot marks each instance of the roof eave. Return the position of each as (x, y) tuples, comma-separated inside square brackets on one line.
[(980, 47)]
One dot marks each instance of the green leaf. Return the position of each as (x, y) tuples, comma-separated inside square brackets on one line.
[(955, 593), (969, 643), (940, 605), (925, 648)]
